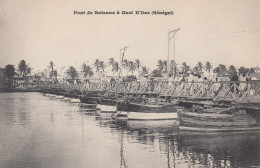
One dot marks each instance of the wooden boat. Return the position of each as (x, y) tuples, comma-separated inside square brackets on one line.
[(153, 125), (219, 129), (75, 100), (59, 97), (66, 98), (120, 115), (106, 108), (88, 106), (215, 118), (89, 98), (148, 109)]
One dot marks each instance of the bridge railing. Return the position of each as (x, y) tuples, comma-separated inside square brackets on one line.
[(238, 91)]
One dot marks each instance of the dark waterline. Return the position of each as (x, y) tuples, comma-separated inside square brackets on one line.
[(37, 131)]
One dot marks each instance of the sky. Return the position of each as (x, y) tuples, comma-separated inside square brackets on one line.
[(40, 31)]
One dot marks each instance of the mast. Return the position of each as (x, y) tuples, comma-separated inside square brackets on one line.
[(171, 35), (122, 54)]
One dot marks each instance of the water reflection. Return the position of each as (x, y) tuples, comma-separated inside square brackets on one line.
[(36, 131)]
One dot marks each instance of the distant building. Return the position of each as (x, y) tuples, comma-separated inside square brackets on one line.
[(256, 69), (254, 76)]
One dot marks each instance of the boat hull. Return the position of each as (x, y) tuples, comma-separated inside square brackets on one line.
[(59, 97), (88, 106), (73, 100), (216, 120), (151, 115), (88, 99), (220, 129), (136, 111), (121, 115), (153, 125), (105, 111)]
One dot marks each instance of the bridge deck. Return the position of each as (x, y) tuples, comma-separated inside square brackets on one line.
[(238, 92)]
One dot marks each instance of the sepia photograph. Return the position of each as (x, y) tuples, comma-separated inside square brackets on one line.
[(129, 84)]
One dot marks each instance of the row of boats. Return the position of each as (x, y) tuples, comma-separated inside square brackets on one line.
[(185, 113)]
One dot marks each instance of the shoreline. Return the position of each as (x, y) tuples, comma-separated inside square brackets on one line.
[(23, 89)]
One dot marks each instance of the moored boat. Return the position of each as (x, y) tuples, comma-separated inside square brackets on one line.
[(75, 100), (88, 106), (89, 98), (59, 97), (215, 119), (106, 108), (153, 125), (153, 109), (120, 115)]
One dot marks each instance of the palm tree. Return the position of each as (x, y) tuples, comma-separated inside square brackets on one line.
[(9, 73), (51, 64), (165, 65), (111, 61), (132, 66), (200, 66), (251, 70), (115, 67), (55, 74), (216, 70), (28, 70), (222, 69), (144, 71), (196, 69), (231, 69), (72, 72), (160, 65), (138, 65), (87, 70), (185, 68), (96, 65), (22, 67), (173, 68), (208, 66), (156, 73), (102, 66), (126, 66), (243, 70)]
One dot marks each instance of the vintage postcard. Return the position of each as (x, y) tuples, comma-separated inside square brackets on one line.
[(128, 83)]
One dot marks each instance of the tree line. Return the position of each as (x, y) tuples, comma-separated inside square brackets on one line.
[(99, 67)]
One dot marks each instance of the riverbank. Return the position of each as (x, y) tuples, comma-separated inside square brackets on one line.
[(20, 89)]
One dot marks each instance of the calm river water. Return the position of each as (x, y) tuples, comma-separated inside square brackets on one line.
[(37, 131)]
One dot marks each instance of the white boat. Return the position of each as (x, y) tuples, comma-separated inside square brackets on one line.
[(75, 100), (66, 99), (153, 125), (120, 115), (133, 115), (105, 111), (149, 111), (59, 97), (52, 95)]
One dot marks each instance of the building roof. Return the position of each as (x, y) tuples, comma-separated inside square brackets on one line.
[(254, 75)]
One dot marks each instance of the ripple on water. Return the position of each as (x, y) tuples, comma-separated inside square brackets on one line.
[(38, 131)]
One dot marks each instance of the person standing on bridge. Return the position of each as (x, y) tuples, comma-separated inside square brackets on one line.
[(151, 83), (234, 78), (243, 79)]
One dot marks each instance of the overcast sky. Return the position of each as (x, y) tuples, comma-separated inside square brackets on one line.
[(40, 31)]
